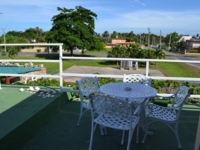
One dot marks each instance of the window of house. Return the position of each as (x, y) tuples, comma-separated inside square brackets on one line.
[(197, 44)]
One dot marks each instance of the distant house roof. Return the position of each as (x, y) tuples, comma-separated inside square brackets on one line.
[(184, 38), (17, 70), (192, 39), (118, 39)]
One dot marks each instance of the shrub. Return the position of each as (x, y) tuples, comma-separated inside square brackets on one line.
[(193, 51), (38, 50), (162, 86), (199, 50)]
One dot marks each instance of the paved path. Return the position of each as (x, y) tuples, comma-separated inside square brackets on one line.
[(105, 70)]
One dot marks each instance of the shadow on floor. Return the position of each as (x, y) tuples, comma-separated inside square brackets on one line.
[(61, 133)]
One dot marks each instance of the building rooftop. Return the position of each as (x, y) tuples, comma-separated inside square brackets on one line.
[(32, 122)]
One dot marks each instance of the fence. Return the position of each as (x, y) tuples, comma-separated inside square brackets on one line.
[(61, 74)]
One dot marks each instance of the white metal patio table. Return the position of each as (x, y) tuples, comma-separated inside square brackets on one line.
[(136, 93), (131, 91)]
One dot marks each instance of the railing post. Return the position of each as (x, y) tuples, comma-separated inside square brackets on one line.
[(147, 68), (61, 68)]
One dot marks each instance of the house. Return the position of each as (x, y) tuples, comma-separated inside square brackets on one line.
[(118, 41), (184, 38), (192, 44), (115, 41)]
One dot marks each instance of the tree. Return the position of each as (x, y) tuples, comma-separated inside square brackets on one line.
[(12, 52), (15, 39), (158, 54), (37, 29), (73, 28), (197, 35), (106, 36), (114, 34), (30, 34), (117, 52), (15, 33), (173, 37), (131, 34)]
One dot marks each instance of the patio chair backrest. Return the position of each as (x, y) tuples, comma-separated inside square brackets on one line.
[(88, 85), (114, 107), (137, 78), (180, 97)]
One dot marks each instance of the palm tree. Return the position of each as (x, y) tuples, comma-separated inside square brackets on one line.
[(159, 54), (40, 31), (114, 34), (197, 35), (106, 35), (116, 52), (37, 29)]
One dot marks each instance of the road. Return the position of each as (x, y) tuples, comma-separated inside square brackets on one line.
[(184, 57)]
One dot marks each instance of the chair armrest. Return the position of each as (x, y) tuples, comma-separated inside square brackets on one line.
[(137, 109), (150, 108)]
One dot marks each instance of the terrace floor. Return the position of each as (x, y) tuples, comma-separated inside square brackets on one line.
[(59, 131)]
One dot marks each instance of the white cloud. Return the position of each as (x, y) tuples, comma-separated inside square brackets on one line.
[(137, 1), (153, 19), (23, 14)]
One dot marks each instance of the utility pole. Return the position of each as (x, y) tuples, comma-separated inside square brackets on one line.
[(148, 36), (160, 39), (140, 39), (152, 42), (169, 40), (3, 29)]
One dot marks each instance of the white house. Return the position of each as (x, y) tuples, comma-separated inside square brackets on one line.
[(184, 38)]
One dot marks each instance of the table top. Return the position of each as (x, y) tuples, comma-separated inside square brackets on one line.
[(128, 90)]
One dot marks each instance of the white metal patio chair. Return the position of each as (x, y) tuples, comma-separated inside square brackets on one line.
[(111, 112), (32, 78), (137, 78), (86, 86), (168, 115)]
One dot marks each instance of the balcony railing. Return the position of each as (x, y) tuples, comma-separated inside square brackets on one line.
[(62, 75)]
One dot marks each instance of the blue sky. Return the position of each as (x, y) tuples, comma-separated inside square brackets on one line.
[(167, 16)]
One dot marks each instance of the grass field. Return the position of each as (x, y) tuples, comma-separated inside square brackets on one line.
[(179, 70), (169, 69)]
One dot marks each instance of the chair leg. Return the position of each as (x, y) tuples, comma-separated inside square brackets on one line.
[(176, 134), (91, 136), (137, 134), (80, 115), (123, 134), (103, 130), (144, 138), (130, 138), (145, 131)]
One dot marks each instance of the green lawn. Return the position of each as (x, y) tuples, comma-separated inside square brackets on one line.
[(178, 70), (97, 52)]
